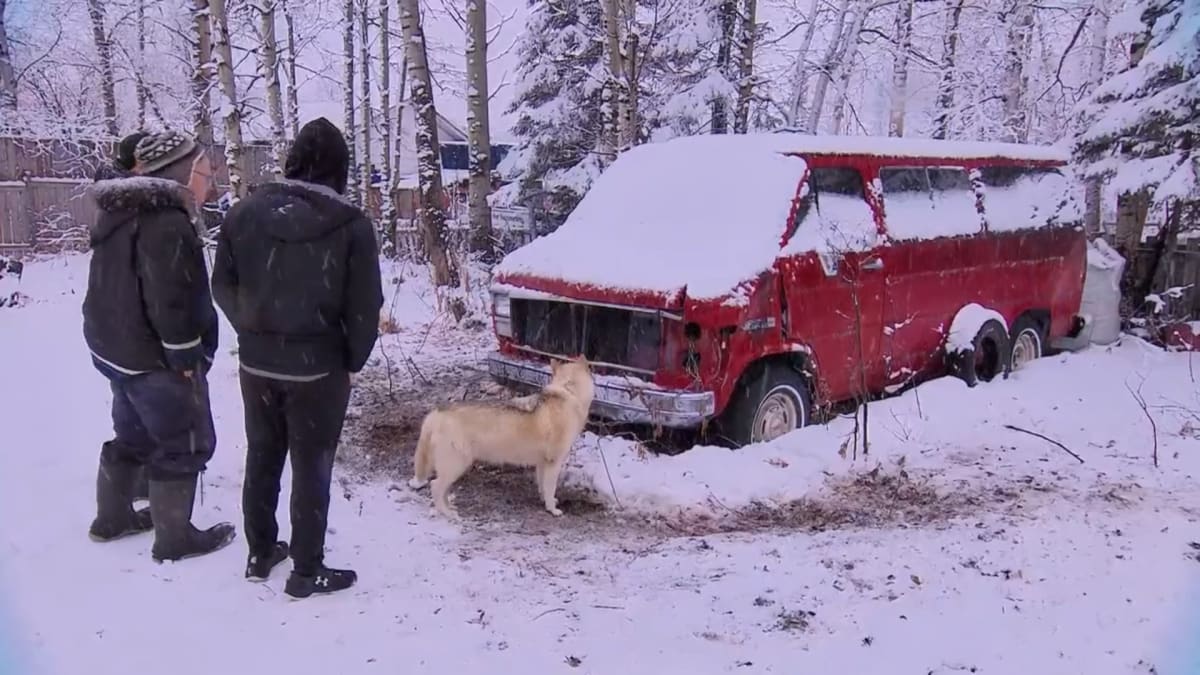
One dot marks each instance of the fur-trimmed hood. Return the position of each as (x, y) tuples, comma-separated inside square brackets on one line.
[(121, 199)]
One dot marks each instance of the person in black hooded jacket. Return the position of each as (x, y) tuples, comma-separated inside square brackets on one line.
[(149, 322), (297, 275)]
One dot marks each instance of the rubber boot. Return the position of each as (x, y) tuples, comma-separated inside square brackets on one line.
[(115, 517), (175, 538), (141, 486)]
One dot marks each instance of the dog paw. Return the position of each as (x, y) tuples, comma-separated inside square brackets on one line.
[(417, 484), (555, 511)]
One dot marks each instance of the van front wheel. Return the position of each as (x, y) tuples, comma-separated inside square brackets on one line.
[(774, 402)]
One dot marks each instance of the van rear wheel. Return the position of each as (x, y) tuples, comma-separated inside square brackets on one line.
[(1026, 343), (988, 356), (766, 406)]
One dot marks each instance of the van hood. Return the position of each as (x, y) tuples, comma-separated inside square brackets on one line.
[(698, 216)]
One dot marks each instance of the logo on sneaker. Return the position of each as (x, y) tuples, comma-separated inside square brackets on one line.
[(323, 582)]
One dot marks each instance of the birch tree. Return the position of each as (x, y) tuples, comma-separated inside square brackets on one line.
[(800, 88), (387, 204), (143, 95), (478, 132), (828, 65), (949, 64), (611, 96), (202, 73), (846, 59), (108, 86), (727, 28), (899, 97), (1018, 20), (364, 68), (432, 211), (749, 28), (233, 116), (289, 60), (1096, 64), (348, 97), (8, 77), (269, 71)]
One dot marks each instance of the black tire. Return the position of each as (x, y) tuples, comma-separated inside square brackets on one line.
[(1027, 334), (987, 358), (773, 384)]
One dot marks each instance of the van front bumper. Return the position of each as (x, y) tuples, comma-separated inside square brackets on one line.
[(615, 401)]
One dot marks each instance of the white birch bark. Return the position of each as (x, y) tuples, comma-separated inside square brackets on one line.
[(364, 68), (387, 204), (949, 65), (348, 99), (269, 70), (845, 64), (479, 214), (102, 39), (202, 73), (611, 95), (1019, 25), (741, 115), (800, 92), (432, 211), (899, 94), (289, 60), (140, 76), (828, 64), (1093, 190), (223, 51)]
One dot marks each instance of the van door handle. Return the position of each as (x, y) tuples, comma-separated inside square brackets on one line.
[(873, 264)]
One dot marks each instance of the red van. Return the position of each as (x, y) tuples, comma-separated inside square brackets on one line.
[(749, 280)]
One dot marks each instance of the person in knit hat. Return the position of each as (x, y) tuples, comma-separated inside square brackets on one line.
[(297, 274), (150, 324), (122, 164)]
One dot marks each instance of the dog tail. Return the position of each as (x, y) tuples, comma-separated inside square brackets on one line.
[(422, 462)]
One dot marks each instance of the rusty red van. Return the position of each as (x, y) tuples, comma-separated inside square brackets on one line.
[(753, 280)]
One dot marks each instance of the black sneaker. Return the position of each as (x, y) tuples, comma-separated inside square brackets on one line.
[(323, 582), (258, 567)]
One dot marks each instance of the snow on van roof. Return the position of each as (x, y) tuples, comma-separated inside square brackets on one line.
[(925, 148), (702, 213), (705, 213)]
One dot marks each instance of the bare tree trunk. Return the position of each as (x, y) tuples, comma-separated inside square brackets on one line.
[(1092, 196), (899, 98), (1019, 22), (293, 98), (945, 97), (269, 68), (727, 25), (741, 115), (202, 125), (796, 109), (233, 114), (142, 95), (349, 100), (630, 131), (387, 205), (8, 76), (611, 95), (845, 64), (108, 86), (398, 152), (479, 132), (364, 174), (828, 64), (433, 214)]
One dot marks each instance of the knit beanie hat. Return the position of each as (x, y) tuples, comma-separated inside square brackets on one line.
[(319, 155), (156, 152), (125, 158)]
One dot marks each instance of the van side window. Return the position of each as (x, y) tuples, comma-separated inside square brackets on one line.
[(834, 216), (925, 203), (1022, 197)]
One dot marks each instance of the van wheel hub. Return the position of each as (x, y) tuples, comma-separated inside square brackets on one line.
[(1026, 348), (777, 415)]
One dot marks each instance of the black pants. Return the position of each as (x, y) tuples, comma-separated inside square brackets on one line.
[(161, 420), (303, 419)]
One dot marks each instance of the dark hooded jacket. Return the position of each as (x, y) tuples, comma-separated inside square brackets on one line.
[(148, 305), (297, 267)]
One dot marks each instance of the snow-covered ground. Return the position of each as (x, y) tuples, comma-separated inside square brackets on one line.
[(956, 545)]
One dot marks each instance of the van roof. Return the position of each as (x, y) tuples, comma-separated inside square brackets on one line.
[(924, 148)]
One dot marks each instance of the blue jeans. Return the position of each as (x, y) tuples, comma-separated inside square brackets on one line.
[(163, 421)]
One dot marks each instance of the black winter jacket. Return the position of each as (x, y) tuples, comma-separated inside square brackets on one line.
[(297, 274), (148, 305)]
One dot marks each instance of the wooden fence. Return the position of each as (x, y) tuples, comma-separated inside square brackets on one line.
[(1183, 274)]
